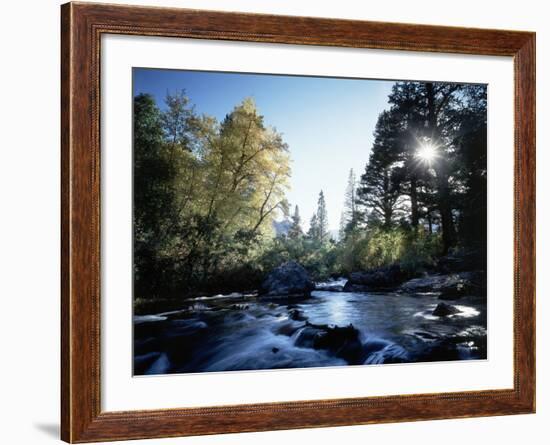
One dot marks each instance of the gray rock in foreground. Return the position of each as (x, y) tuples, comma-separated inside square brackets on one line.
[(288, 280)]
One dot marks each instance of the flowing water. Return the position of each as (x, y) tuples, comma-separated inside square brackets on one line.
[(239, 332)]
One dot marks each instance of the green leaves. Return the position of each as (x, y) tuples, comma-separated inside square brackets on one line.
[(205, 194)]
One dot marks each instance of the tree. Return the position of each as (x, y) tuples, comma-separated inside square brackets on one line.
[(342, 228), (322, 218), (351, 215), (433, 109), (471, 143), (295, 230), (178, 120), (206, 193), (378, 191), (313, 231), (155, 197)]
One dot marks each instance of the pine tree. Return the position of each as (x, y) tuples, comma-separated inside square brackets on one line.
[(313, 231), (322, 218), (378, 191), (295, 230), (351, 214), (342, 227)]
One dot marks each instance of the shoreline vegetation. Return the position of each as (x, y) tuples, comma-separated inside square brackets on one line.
[(213, 231)]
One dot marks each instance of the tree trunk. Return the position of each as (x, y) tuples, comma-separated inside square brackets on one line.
[(447, 225), (443, 195), (414, 204)]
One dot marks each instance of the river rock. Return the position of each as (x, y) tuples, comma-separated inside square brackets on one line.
[(333, 285), (437, 351), (296, 314), (391, 353), (381, 278), (450, 286), (444, 309), (343, 342), (288, 280), (329, 287), (464, 283)]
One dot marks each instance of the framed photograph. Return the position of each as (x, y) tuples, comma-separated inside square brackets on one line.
[(274, 222)]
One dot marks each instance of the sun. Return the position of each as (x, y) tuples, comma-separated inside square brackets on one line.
[(427, 152)]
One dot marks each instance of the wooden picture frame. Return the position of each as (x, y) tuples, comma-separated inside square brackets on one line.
[(82, 26)]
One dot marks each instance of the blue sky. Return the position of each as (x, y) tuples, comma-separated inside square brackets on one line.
[(327, 122)]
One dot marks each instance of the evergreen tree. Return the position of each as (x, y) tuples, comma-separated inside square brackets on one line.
[(433, 110), (351, 215), (313, 232), (378, 192), (295, 230), (342, 227), (322, 218)]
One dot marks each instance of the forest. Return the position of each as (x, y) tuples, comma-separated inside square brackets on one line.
[(211, 215), (229, 275)]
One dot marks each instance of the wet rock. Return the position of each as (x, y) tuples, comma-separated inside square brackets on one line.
[(438, 351), (287, 328), (382, 278), (342, 342), (430, 283), (297, 315), (334, 285), (450, 286), (464, 283), (330, 287), (307, 336), (143, 362), (373, 345), (392, 353), (444, 310), (288, 280)]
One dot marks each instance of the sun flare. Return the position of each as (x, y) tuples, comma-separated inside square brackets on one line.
[(427, 153)]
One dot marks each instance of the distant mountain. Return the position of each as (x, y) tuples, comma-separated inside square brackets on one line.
[(281, 227)]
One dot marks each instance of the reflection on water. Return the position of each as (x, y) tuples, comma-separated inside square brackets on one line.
[(240, 333)]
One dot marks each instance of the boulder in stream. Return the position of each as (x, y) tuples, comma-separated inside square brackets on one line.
[(450, 286), (343, 342), (381, 278), (288, 280), (444, 310)]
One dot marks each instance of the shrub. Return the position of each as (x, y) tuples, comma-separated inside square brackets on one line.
[(377, 247)]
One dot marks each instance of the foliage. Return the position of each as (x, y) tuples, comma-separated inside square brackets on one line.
[(380, 246), (318, 258), (351, 215), (445, 192), (295, 230), (207, 193)]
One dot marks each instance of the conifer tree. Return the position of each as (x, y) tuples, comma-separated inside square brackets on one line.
[(295, 230), (322, 218)]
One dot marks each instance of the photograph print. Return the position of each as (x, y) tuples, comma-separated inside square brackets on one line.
[(285, 221)]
